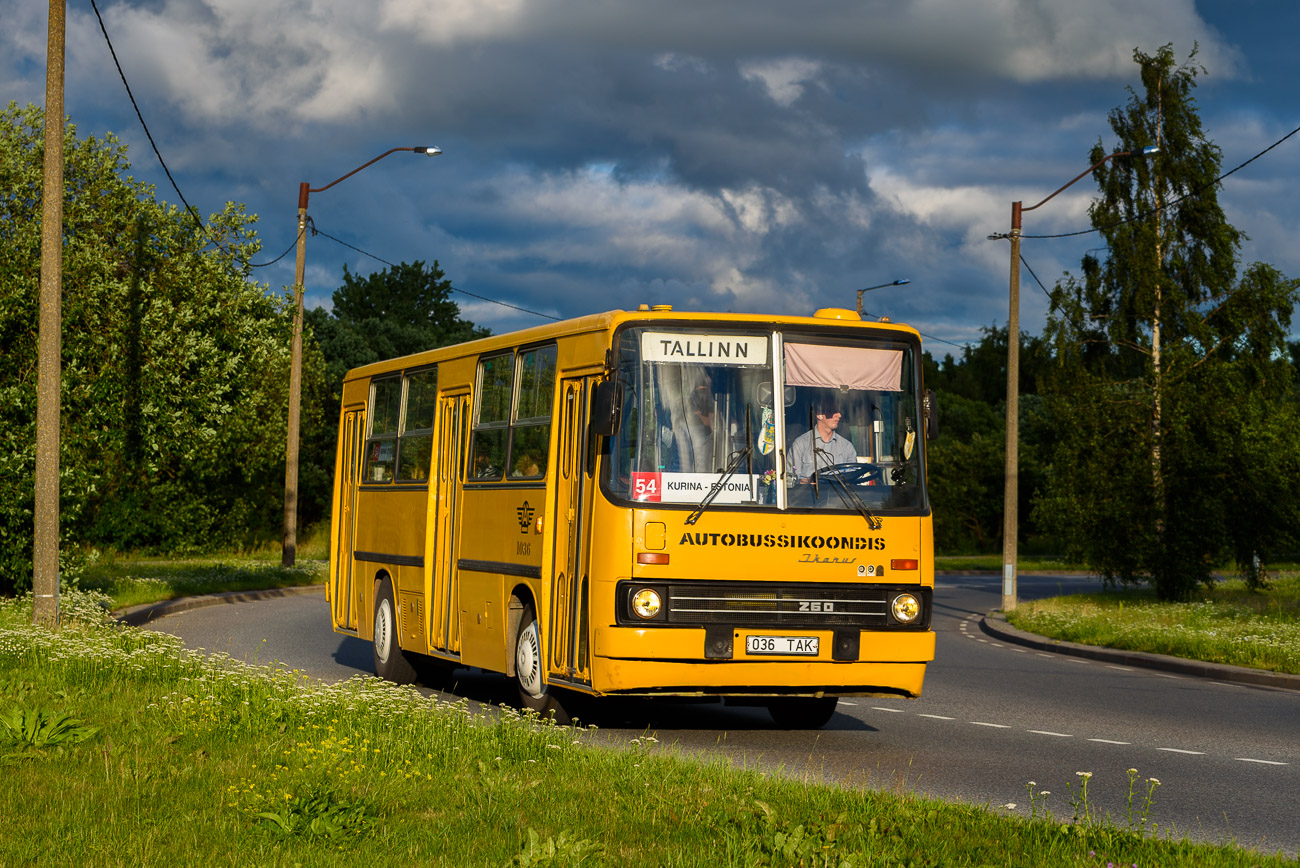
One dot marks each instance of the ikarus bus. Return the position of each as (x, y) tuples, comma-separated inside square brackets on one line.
[(645, 503)]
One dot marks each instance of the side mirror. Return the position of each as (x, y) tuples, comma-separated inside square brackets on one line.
[(606, 407), (931, 407)]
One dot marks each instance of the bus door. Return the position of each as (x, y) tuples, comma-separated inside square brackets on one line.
[(444, 627), (571, 516), (345, 598)]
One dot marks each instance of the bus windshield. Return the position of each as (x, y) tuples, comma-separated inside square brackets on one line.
[(843, 435)]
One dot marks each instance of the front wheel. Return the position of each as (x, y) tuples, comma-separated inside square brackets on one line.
[(534, 692), (391, 663), (797, 712)]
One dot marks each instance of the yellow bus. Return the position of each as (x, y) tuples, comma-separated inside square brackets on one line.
[(645, 503)]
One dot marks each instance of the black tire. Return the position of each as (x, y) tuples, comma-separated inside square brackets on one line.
[(391, 663), (530, 671), (798, 712)]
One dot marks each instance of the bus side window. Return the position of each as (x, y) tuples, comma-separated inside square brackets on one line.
[(415, 446), (492, 422), (381, 445), (530, 435)]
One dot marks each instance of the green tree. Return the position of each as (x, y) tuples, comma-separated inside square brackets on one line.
[(174, 363), (967, 464), (1171, 393), (389, 313)]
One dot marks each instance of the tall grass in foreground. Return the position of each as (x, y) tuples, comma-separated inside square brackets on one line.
[(166, 757), (1228, 624)]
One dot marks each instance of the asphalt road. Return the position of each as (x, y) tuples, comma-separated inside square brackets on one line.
[(993, 717)]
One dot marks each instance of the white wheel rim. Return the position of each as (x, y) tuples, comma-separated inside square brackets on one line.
[(528, 662), (383, 630)]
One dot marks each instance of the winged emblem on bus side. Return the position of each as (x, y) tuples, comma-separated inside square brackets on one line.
[(526, 514)]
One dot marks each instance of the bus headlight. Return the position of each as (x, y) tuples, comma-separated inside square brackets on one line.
[(906, 608), (646, 603)]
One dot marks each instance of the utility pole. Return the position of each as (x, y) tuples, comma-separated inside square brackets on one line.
[(1011, 489), (1011, 492), (49, 362), (289, 551)]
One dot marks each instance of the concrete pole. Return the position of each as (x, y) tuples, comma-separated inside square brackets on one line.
[(1011, 492), (49, 361), (289, 553)]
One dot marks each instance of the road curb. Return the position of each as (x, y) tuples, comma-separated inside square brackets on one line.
[(137, 616), (995, 624)]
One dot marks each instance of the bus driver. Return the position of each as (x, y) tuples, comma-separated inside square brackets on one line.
[(828, 449)]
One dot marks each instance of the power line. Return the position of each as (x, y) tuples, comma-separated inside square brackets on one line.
[(929, 337), (1167, 205), (1025, 262), (316, 231), (188, 207)]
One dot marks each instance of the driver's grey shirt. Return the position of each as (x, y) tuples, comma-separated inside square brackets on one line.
[(837, 451)]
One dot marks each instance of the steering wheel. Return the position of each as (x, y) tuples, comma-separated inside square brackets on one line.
[(854, 473)]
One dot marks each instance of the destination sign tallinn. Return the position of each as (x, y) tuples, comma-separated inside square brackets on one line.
[(704, 349)]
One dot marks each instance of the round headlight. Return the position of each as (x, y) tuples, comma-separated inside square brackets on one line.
[(906, 608), (646, 603)]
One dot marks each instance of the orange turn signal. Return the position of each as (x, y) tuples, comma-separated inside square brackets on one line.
[(651, 558), (904, 564)]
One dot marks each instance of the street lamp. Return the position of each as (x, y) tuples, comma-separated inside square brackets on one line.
[(1011, 491), (899, 282), (289, 553)]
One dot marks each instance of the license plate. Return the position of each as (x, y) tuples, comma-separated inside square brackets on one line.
[(784, 645)]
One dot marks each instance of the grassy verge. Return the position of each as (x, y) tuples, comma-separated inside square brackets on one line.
[(994, 563), (132, 580), (1228, 624), (117, 746)]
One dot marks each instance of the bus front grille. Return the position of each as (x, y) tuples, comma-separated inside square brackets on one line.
[(862, 606)]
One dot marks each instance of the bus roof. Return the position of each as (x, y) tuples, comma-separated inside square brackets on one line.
[(611, 319)]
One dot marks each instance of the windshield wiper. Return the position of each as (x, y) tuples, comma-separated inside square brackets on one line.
[(728, 472)]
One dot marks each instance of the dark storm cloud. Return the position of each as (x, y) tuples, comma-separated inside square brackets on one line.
[(761, 155)]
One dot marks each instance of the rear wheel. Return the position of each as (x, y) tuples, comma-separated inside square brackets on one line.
[(391, 664), (534, 692), (798, 712)]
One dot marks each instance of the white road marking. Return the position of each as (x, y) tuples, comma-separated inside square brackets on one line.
[(846, 702), (1120, 668), (935, 716), (1246, 759), (1177, 750), (995, 725), (1109, 741), (891, 710), (1045, 732)]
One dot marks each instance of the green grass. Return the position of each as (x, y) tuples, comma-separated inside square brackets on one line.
[(957, 563), (132, 580), (1227, 624), (143, 753)]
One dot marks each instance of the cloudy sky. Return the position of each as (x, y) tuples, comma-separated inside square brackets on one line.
[(752, 155)]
